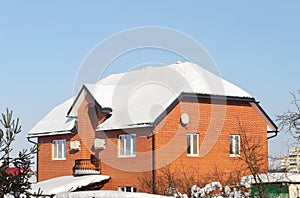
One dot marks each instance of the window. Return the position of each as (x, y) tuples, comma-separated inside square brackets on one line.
[(235, 145), (59, 149), (127, 145), (192, 144), (127, 188)]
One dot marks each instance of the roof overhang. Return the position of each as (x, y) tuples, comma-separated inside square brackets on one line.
[(271, 126), (49, 134), (133, 126), (216, 97)]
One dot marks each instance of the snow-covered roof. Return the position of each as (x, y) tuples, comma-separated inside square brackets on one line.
[(139, 97), (107, 194), (67, 183), (55, 122), (271, 178)]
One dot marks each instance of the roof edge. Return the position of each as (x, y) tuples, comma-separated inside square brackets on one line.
[(49, 134), (275, 127), (83, 88), (217, 97), (138, 125)]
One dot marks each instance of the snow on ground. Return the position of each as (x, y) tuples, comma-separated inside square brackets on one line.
[(106, 194), (271, 178), (66, 183)]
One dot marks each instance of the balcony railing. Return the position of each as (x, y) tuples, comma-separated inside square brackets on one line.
[(86, 167)]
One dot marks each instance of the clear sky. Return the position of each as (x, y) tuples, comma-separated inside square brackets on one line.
[(256, 45)]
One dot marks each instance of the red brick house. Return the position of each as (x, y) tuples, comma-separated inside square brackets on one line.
[(133, 126)]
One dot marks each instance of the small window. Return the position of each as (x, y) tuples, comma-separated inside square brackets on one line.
[(59, 149), (127, 188), (235, 145), (192, 144), (127, 145)]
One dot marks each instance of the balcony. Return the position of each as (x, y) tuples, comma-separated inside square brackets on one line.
[(86, 167)]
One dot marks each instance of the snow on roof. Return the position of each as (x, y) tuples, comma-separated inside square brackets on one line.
[(66, 183), (139, 97), (56, 121), (107, 194), (271, 178)]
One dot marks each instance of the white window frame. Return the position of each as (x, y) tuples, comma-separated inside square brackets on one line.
[(125, 188), (55, 144), (132, 147), (191, 143), (235, 145)]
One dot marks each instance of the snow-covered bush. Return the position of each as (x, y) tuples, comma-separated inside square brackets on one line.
[(208, 189), (197, 192)]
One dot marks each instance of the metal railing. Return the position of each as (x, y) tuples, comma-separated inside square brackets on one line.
[(86, 167)]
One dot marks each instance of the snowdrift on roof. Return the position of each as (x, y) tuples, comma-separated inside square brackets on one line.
[(55, 121), (67, 183), (137, 98)]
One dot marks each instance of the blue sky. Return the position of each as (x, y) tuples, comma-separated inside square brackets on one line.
[(255, 44)]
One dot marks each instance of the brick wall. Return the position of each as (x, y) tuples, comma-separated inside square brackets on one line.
[(49, 168), (87, 121), (125, 171), (206, 119), (214, 121)]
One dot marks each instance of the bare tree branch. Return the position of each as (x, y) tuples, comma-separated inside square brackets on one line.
[(290, 121)]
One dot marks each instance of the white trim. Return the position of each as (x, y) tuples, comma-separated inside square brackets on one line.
[(132, 143), (64, 149), (125, 190), (193, 154), (234, 155), (234, 145)]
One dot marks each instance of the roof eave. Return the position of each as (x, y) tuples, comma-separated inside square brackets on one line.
[(139, 125), (275, 127), (218, 97), (43, 134)]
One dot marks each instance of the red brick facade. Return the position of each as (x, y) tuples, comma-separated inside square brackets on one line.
[(212, 120)]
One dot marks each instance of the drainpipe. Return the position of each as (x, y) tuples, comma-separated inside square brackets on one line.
[(37, 161), (153, 162)]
